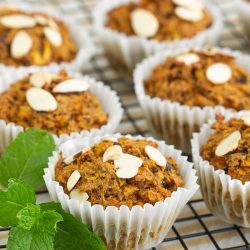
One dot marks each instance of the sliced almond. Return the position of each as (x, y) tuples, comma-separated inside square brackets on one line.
[(42, 20), (52, 23), (144, 22), (228, 144), (188, 58), (189, 15), (77, 194), (219, 73), (41, 100), (127, 173), (20, 44), (127, 161), (190, 4), (246, 120), (155, 155), (39, 79), (71, 158), (72, 85), (53, 35), (112, 153), (113, 139), (18, 21), (73, 179)]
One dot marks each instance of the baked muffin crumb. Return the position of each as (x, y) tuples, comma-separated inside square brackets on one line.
[(189, 85), (236, 162), (98, 179), (74, 111)]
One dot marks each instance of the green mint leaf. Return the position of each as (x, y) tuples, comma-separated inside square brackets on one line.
[(72, 234), (28, 216), (26, 157), (17, 196), (36, 229)]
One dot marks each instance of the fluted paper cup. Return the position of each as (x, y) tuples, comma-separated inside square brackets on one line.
[(169, 120), (79, 33), (108, 98), (227, 198), (243, 8), (123, 227), (126, 51)]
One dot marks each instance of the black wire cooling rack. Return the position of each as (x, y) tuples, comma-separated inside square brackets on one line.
[(196, 228)]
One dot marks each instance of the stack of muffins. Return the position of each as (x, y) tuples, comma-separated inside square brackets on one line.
[(130, 189)]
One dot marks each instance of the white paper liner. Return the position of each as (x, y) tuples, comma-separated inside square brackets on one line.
[(172, 121), (107, 97), (124, 228), (243, 8), (127, 51), (79, 33), (228, 199)]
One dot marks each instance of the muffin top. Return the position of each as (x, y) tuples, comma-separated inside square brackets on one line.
[(228, 148), (160, 20), (53, 102), (201, 79), (119, 172), (33, 39)]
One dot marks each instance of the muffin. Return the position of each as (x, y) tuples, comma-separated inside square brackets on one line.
[(222, 159), (136, 184), (59, 103), (181, 90), (138, 28), (243, 9), (31, 37)]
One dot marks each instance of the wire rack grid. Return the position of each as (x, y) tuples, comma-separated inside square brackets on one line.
[(196, 228)]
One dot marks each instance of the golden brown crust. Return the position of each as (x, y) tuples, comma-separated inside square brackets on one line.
[(171, 27), (188, 85), (42, 51), (237, 162), (75, 111), (152, 183)]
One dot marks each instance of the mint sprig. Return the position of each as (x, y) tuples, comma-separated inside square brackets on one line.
[(36, 229), (13, 200), (45, 226), (72, 234), (26, 157)]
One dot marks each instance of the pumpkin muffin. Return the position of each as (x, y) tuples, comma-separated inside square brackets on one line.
[(136, 184), (161, 19), (222, 158), (228, 148), (193, 79), (53, 102), (33, 39), (180, 90), (118, 172)]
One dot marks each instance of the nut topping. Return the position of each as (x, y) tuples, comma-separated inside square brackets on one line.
[(18, 21), (155, 155), (246, 120), (228, 144), (77, 194), (188, 58), (219, 73), (53, 35), (190, 15), (112, 153), (144, 22), (127, 166), (39, 79), (72, 85), (20, 44), (73, 179), (41, 100)]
